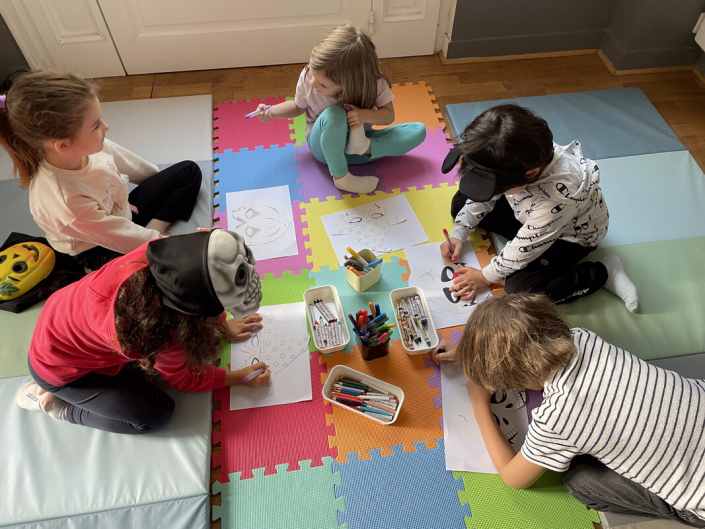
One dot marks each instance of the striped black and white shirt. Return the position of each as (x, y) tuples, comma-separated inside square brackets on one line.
[(643, 422)]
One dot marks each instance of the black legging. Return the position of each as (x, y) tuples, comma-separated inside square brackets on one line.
[(169, 195), (123, 403), (555, 272)]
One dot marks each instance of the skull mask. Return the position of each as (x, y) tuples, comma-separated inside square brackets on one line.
[(231, 267)]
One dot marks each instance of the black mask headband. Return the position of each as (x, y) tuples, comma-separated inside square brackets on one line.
[(480, 183)]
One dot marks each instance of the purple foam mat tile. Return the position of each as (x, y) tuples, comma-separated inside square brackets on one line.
[(533, 400), (315, 179), (222, 219), (419, 167)]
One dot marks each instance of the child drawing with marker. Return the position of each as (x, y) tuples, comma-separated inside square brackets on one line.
[(627, 435), (343, 93), (545, 198)]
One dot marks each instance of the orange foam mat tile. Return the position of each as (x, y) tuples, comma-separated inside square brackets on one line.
[(418, 418), (415, 103)]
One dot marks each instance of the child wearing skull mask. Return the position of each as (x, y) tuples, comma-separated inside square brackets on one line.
[(159, 310), (627, 434), (543, 197)]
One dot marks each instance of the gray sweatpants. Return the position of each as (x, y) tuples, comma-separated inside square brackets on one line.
[(600, 488)]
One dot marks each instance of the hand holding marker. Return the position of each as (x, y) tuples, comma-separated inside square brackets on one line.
[(257, 112)]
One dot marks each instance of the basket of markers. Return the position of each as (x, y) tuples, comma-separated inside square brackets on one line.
[(373, 332), (362, 394), (418, 334), (324, 312), (362, 270)]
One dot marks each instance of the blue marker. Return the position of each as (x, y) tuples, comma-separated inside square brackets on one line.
[(377, 309), (375, 410), (379, 317), (257, 112), (373, 263)]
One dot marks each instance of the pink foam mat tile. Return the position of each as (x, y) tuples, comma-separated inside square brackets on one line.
[(232, 131), (419, 167), (315, 179), (266, 437)]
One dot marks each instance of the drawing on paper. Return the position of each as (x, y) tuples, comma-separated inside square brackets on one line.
[(261, 223), (265, 220), (369, 224), (382, 227)]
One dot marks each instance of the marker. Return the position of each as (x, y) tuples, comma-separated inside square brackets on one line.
[(377, 309), (357, 257), (373, 263), (372, 309), (354, 271), (253, 375), (257, 112), (347, 108), (450, 244), (378, 417), (375, 410)]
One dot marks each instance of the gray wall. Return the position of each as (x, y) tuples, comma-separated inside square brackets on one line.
[(484, 28), (652, 34), (632, 33), (11, 57)]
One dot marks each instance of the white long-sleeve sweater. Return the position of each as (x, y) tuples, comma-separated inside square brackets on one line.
[(82, 209), (566, 203)]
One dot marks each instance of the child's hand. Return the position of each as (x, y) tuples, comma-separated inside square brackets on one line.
[(241, 330), (478, 396), (444, 352), (259, 380), (355, 116), (469, 281), (452, 254), (265, 115)]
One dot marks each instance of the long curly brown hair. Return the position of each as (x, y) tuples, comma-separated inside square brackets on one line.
[(145, 326)]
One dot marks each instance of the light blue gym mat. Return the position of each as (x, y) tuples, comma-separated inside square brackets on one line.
[(608, 123)]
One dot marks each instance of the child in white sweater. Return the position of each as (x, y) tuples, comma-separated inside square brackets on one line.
[(51, 125)]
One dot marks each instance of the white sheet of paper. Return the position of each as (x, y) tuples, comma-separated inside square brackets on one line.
[(435, 276), (283, 345), (382, 227), (265, 219), (464, 447)]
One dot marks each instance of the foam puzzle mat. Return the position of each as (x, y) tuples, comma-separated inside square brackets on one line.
[(311, 464)]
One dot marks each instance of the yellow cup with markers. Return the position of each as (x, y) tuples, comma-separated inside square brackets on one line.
[(370, 275)]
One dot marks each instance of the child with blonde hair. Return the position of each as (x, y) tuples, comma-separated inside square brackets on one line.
[(627, 434), (51, 125), (343, 92)]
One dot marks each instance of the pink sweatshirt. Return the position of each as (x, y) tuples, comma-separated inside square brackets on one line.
[(75, 334)]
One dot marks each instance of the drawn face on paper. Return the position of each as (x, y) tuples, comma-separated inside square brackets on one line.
[(375, 213), (261, 223), (508, 399), (507, 427)]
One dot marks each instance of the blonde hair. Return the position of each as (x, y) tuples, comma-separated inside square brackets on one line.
[(42, 105), (514, 342), (347, 56)]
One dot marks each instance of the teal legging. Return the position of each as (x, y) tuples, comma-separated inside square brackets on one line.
[(329, 136)]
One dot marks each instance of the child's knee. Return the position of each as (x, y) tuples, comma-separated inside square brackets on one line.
[(417, 133), (156, 415), (334, 115)]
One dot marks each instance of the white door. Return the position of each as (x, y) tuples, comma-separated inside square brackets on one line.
[(403, 28), (68, 34), (176, 35)]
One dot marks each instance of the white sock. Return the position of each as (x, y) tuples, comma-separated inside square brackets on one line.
[(357, 141), (31, 397), (619, 284), (356, 184)]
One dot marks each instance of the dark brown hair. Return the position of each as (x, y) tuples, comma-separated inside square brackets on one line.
[(514, 341), (508, 137), (347, 56), (145, 326), (42, 105)]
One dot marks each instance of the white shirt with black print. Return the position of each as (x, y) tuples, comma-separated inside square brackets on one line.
[(566, 203)]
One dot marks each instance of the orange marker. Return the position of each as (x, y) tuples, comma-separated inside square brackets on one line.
[(372, 309)]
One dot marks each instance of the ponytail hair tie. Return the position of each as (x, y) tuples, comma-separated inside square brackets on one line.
[(2, 101)]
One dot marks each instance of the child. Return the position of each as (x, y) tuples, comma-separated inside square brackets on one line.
[(630, 435), (552, 211), (343, 92), (52, 128), (160, 308)]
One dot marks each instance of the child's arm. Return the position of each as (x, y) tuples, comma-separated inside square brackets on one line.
[(287, 109), (359, 116), (127, 162), (236, 378), (513, 467)]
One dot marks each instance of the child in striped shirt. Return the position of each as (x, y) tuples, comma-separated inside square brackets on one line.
[(628, 435)]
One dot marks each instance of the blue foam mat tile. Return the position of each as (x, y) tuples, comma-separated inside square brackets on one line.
[(255, 169), (652, 198), (608, 123), (403, 490)]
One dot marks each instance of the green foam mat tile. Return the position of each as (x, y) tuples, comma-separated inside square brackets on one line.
[(288, 288), (545, 505), (302, 498), (297, 127)]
